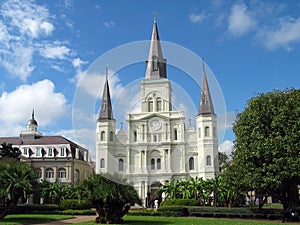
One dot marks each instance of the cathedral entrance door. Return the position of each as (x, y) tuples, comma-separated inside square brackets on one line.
[(153, 192)]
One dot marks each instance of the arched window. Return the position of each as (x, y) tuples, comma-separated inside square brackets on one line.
[(175, 134), (121, 165), (214, 132), (155, 63), (102, 135), (191, 163), (208, 160), (102, 163), (49, 173), (152, 164), (135, 136), (199, 132), (61, 173), (111, 136), (38, 172), (158, 105), (150, 105), (206, 131), (158, 162)]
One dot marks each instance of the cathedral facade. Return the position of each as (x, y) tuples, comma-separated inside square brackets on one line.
[(157, 146)]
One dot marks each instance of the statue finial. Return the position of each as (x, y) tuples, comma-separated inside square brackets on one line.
[(154, 15), (106, 71)]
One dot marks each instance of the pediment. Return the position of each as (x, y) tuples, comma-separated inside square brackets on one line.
[(154, 115)]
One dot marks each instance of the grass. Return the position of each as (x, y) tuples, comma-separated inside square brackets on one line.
[(156, 220), (32, 218)]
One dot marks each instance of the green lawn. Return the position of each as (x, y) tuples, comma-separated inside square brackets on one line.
[(156, 220), (32, 218)]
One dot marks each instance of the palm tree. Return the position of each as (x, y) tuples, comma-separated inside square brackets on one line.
[(17, 181), (111, 196)]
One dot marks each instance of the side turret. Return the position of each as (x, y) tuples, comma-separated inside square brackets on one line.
[(207, 138)]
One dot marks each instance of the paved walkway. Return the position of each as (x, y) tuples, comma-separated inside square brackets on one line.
[(77, 219)]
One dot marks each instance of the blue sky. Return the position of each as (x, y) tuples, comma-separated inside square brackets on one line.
[(52, 57)]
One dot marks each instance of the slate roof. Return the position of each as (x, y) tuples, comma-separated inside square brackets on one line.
[(43, 140)]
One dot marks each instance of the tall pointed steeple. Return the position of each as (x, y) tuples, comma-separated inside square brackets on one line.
[(206, 105), (156, 64), (106, 107)]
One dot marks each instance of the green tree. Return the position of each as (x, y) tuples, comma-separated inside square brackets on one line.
[(17, 181), (268, 147), (194, 186), (170, 189), (6, 150), (56, 191), (111, 196)]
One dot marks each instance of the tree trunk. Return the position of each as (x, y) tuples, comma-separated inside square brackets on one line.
[(7, 210), (3, 213)]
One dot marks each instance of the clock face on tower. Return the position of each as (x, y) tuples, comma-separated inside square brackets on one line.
[(155, 124)]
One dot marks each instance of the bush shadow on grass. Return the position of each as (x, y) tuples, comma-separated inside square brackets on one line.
[(32, 218), (137, 222), (24, 220)]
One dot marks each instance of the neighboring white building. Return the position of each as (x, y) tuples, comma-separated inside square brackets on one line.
[(157, 145), (52, 157)]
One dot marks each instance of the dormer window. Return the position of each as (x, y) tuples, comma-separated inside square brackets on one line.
[(154, 63), (25, 151), (62, 152), (50, 151)]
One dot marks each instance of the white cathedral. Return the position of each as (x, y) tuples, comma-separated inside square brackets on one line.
[(157, 145)]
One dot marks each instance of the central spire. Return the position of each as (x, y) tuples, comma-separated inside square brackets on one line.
[(156, 64)]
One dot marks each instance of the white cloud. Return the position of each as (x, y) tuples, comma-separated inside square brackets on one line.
[(55, 51), (18, 61), (226, 147), (30, 19), (109, 24), (92, 83), (24, 29), (287, 32), (77, 63), (240, 20), (16, 106), (197, 18)]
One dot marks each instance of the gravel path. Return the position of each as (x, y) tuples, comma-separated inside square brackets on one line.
[(77, 219)]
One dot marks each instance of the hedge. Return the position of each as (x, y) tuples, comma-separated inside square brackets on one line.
[(180, 202), (78, 212), (144, 212), (75, 204)]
